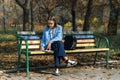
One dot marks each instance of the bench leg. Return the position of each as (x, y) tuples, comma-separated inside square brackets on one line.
[(96, 56), (27, 59), (107, 59), (27, 65), (19, 56)]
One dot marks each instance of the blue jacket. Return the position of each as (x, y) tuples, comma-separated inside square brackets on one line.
[(46, 36)]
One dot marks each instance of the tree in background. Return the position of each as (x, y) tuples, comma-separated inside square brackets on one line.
[(25, 5), (37, 12), (113, 19), (74, 15), (4, 16), (47, 8), (86, 25)]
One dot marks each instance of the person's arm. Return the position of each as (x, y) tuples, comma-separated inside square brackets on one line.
[(43, 40), (58, 35)]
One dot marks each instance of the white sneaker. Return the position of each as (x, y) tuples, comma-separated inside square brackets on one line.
[(57, 72), (71, 63)]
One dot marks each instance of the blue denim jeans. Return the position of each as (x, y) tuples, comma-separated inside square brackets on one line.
[(59, 52)]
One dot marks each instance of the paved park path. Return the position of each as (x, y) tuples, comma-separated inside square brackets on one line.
[(74, 73)]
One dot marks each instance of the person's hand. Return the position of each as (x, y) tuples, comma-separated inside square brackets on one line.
[(42, 49), (49, 46)]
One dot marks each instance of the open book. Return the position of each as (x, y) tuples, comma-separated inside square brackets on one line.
[(48, 51)]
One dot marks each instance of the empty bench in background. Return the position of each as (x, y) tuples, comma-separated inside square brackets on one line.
[(87, 42)]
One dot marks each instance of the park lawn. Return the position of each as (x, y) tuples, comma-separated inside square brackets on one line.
[(7, 37)]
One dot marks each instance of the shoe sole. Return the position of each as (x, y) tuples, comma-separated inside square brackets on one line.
[(57, 74), (72, 65)]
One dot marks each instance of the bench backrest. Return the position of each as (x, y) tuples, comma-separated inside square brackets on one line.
[(84, 40)]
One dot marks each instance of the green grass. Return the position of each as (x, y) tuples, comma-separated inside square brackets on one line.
[(7, 37)]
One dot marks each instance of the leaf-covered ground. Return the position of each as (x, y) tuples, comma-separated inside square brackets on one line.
[(8, 58), (83, 71)]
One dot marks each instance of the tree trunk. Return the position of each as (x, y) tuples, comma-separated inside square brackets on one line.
[(26, 13), (25, 19), (113, 20), (32, 18), (4, 17), (74, 15), (86, 25)]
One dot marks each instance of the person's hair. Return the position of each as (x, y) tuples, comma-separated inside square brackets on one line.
[(52, 18)]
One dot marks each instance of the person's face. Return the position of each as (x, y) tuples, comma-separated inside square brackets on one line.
[(51, 23)]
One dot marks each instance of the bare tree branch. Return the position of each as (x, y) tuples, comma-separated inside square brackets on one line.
[(20, 4)]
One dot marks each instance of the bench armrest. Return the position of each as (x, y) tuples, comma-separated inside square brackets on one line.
[(20, 37), (101, 39)]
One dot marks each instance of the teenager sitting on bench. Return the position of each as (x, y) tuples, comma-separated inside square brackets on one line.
[(52, 40)]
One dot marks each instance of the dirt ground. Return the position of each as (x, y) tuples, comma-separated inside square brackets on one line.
[(83, 71), (74, 73)]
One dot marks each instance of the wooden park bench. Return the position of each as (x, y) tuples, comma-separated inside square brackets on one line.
[(87, 42)]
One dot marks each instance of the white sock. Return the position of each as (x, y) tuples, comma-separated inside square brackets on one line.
[(57, 70)]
